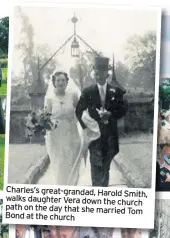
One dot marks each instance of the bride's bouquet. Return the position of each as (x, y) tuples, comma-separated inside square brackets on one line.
[(39, 122)]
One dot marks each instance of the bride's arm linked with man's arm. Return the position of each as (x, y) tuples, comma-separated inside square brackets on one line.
[(118, 106), (82, 105)]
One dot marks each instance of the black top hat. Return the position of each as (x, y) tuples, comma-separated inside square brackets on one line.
[(101, 63)]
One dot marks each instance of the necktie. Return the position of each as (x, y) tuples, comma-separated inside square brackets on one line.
[(102, 95)]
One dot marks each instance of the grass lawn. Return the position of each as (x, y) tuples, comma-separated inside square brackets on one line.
[(3, 88), (2, 150)]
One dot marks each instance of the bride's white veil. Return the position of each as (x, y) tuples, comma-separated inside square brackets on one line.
[(50, 90)]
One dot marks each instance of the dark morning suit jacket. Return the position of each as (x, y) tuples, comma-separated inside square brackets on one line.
[(108, 142)]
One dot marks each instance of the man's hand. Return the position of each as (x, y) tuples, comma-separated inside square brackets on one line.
[(104, 114)]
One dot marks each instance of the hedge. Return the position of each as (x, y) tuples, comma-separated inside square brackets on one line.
[(4, 74), (4, 63), (3, 56)]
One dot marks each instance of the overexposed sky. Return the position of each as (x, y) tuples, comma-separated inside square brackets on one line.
[(4, 8), (106, 30), (4, 12)]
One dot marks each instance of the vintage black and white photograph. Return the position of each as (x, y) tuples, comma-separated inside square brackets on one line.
[(82, 96)]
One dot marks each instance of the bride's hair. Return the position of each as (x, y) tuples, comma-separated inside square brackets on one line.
[(57, 74)]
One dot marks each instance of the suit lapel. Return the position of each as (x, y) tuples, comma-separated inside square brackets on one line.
[(107, 95), (97, 96)]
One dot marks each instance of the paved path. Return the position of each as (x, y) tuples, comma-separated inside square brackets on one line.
[(21, 158), (116, 177), (135, 160), (131, 167)]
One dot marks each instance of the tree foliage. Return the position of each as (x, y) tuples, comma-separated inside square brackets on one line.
[(81, 73), (30, 53), (47, 71), (19, 95), (4, 35), (141, 58), (122, 73), (164, 90), (32, 57), (164, 94), (137, 71)]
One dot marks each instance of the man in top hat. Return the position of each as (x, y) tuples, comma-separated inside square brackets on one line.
[(105, 105)]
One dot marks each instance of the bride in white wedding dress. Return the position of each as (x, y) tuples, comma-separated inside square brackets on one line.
[(63, 144)]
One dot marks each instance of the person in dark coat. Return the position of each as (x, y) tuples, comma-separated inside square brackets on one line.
[(2, 120), (105, 105)]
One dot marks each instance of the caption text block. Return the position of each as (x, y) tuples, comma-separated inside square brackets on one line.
[(80, 206)]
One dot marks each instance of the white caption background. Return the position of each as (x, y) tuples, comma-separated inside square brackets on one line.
[(103, 207)]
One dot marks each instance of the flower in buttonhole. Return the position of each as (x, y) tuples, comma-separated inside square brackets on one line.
[(113, 92)]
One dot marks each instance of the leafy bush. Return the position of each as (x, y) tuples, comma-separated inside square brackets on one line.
[(4, 63), (3, 56), (4, 74)]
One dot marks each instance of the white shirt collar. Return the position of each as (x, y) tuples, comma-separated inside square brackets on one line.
[(102, 86)]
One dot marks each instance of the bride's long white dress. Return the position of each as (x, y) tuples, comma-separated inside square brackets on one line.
[(63, 144)]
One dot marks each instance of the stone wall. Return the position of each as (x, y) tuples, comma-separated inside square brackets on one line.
[(139, 118), (17, 125), (18, 132)]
